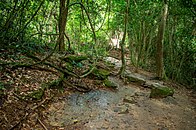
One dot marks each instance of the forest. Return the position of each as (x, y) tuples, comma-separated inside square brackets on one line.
[(98, 53)]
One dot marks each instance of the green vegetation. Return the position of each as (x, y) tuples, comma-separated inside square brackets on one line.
[(87, 27), (101, 73), (81, 58), (110, 84)]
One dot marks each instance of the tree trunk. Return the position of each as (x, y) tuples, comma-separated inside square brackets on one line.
[(62, 23), (122, 44), (160, 41), (129, 34)]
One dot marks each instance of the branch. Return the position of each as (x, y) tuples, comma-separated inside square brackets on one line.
[(42, 124), (88, 72), (65, 71), (88, 16), (69, 43), (31, 18)]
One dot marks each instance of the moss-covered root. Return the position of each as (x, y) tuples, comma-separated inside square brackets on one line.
[(74, 58), (160, 91)]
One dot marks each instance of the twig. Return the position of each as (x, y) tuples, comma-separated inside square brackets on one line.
[(42, 124)]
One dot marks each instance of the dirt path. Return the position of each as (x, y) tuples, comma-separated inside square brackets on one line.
[(128, 108)]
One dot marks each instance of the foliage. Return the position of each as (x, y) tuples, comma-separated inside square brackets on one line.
[(180, 49), (101, 73), (2, 87), (32, 26)]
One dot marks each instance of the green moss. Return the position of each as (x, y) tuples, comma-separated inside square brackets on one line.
[(75, 58), (57, 83), (37, 95), (110, 84), (110, 65), (69, 66), (101, 73), (2, 87), (159, 91)]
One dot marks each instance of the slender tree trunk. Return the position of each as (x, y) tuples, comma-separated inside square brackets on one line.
[(62, 23), (122, 44), (160, 41), (129, 34)]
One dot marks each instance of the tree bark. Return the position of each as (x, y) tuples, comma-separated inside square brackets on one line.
[(160, 41), (122, 44), (63, 13)]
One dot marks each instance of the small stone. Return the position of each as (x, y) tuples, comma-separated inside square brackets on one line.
[(170, 100), (121, 109), (129, 100)]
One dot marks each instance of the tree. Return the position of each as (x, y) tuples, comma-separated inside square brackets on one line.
[(122, 44), (63, 13), (160, 41)]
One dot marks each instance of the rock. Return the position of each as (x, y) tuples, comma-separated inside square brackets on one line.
[(130, 100), (110, 84), (170, 100), (114, 61), (121, 109), (160, 91), (134, 78), (101, 73)]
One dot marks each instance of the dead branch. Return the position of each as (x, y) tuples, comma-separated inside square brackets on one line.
[(42, 124)]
